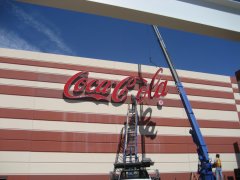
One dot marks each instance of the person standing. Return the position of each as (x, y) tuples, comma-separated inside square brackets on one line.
[(218, 165)]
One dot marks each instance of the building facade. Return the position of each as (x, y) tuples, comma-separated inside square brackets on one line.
[(45, 135)]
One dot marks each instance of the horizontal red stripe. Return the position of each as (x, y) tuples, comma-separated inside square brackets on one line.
[(236, 90), (164, 176), (237, 101), (33, 76), (83, 147), (108, 143), (209, 93), (229, 175), (233, 80), (112, 119), (51, 93), (59, 177), (106, 71), (106, 138)]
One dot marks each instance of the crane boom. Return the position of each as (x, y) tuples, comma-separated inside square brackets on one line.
[(205, 167)]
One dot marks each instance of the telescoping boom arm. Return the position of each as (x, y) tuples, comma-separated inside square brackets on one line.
[(205, 168)]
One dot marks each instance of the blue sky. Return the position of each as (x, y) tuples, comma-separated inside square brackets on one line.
[(43, 29)]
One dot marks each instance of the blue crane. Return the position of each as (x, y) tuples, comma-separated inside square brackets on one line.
[(205, 166)]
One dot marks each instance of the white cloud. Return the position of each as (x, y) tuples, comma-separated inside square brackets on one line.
[(50, 33), (12, 40)]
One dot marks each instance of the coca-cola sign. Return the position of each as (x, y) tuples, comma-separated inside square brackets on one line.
[(80, 86)]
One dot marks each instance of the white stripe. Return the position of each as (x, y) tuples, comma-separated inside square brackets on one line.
[(188, 157), (44, 157), (201, 86), (58, 157), (207, 87), (59, 126), (54, 168), (93, 168), (235, 86), (51, 104), (101, 75), (188, 167), (44, 57), (35, 84), (58, 86), (202, 99), (238, 107), (217, 115), (218, 132), (237, 96), (80, 163), (204, 76)]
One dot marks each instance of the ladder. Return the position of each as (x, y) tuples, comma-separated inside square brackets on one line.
[(128, 145), (127, 152), (127, 160), (130, 152)]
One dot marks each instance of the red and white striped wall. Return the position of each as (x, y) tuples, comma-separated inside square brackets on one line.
[(43, 136)]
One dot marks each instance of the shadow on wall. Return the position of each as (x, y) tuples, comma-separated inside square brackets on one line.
[(237, 154), (148, 127), (235, 145), (120, 145), (237, 74), (82, 100)]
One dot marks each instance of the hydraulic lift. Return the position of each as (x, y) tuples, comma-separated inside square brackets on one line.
[(205, 166)]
